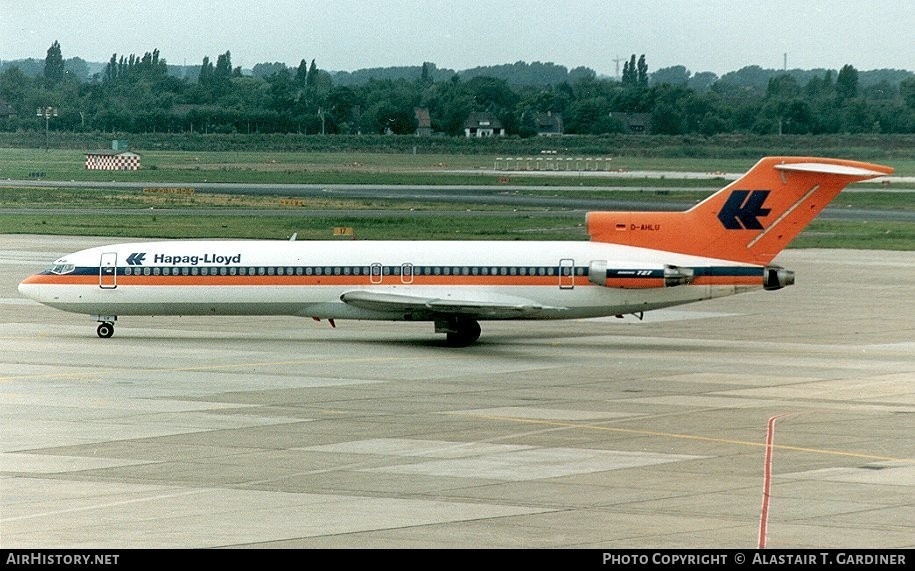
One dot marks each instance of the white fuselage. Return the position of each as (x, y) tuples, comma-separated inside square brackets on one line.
[(549, 280)]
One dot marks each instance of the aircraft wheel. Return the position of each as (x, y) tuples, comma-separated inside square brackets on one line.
[(466, 332), (105, 330)]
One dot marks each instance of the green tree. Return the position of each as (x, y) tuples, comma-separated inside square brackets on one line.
[(449, 105), (76, 68), (630, 75), (642, 72), (782, 87), (425, 77), (206, 72), (907, 90), (15, 87), (264, 70), (222, 74), (820, 87), (675, 75), (702, 81), (847, 82), (111, 70), (590, 116), (312, 74), (342, 103), (53, 66), (301, 73)]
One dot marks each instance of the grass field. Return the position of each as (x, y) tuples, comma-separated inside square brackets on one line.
[(358, 168), (250, 216)]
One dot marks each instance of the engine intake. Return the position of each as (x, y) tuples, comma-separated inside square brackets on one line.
[(675, 275)]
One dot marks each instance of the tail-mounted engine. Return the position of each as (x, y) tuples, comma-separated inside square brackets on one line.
[(638, 278), (777, 277)]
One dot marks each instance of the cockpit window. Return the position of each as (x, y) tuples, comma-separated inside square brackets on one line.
[(62, 268)]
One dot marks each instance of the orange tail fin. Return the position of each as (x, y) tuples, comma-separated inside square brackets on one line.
[(750, 220)]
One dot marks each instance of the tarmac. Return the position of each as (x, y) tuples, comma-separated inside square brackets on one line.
[(607, 433)]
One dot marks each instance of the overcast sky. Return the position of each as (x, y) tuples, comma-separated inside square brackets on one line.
[(345, 35)]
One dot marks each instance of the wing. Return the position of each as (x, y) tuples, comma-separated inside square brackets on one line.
[(501, 307)]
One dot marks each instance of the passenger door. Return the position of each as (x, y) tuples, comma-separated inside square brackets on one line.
[(108, 271)]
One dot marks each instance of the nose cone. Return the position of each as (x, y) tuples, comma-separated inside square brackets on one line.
[(29, 287)]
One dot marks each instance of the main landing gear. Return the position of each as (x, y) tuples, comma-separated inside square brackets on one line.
[(459, 331), (105, 330), (106, 325)]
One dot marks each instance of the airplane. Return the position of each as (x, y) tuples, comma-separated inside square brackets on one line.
[(634, 262)]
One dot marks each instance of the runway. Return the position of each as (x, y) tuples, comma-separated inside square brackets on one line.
[(608, 433)]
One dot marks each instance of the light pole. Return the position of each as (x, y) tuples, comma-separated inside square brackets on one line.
[(47, 113)]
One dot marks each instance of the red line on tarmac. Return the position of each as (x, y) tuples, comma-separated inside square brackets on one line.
[(767, 479)]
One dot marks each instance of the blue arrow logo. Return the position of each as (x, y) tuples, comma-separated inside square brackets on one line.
[(743, 210), (136, 259)]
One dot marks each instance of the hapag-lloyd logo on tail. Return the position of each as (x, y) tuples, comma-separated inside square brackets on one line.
[(743, 210), (137, 259)]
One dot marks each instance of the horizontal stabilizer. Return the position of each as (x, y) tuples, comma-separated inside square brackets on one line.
[(828, 168)]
